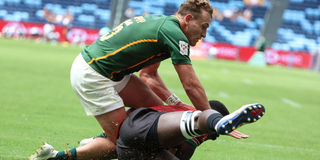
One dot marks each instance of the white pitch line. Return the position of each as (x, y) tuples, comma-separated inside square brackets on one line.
[(204, 77), (223, 95), (291, 102), (247, 81), (225, 71), (274, 146)]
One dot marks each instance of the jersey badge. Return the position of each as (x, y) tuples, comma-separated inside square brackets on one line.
[(183, 48)]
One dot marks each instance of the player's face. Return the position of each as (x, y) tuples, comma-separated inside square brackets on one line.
[(197, 28)]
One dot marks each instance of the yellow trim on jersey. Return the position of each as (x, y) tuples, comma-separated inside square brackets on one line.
[(159, 54), (122, 48)]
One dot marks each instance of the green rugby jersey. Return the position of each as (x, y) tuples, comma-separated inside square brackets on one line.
[(136, 43)]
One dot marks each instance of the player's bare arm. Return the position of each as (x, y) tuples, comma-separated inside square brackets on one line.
[(151, 77), (192, 86)]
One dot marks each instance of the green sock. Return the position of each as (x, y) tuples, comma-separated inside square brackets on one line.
[(67, 155)]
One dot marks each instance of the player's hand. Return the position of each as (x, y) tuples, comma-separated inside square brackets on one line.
[(237, 135)]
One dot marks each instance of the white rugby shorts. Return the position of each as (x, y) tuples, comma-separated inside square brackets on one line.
[(97, 93)]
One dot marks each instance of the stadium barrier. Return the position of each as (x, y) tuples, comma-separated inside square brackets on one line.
[(27, 29), (203, 50), (206, 50)]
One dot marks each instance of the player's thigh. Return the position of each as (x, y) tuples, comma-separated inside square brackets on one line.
[(137, 94), (111, 121), (169, 133)]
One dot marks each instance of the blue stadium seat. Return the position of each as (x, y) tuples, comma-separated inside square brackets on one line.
[(12, 17), (87, 19), (24, 16), (299, 28), (317, 28), (135, 4), (89, 7), (39, 13), (74, 9), (103, 14), (13, 2), (33, 3), (3, 13), (296, 1)]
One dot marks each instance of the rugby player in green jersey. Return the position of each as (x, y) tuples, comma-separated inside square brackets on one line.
[(101, 75)]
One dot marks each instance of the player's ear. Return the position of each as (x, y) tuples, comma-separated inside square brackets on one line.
[(188, 18), (219, 106)]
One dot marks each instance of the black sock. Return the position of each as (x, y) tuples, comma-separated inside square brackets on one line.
[(212, 120)]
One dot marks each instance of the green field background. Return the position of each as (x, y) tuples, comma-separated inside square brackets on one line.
[(38, 105)]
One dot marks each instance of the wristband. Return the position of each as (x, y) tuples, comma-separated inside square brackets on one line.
[(172, 99)]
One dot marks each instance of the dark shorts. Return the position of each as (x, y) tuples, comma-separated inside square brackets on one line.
[(138, 138)]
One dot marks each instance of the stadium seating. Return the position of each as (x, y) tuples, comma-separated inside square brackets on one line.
[(87, 13), (300, 30), (238, 31)]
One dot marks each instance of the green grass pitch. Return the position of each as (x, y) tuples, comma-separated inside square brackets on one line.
[(38, 105)]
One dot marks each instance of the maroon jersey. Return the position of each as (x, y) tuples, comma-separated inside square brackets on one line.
[(173, 108)]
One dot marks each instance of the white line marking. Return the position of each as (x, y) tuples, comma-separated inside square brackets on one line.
[(247, 81), (204, 77), (223, 95), (225, 71), (291, 102)]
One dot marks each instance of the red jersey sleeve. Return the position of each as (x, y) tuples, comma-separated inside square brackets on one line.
[(173, 108)]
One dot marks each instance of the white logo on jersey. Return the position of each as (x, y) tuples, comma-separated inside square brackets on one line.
[(183, 47)]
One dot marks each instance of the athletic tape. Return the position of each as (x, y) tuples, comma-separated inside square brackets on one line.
[(187, 124), (172, 99)]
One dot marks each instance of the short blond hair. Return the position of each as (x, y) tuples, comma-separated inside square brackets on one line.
[(194, 7)]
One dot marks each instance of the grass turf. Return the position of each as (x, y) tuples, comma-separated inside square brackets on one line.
[(38, 105)]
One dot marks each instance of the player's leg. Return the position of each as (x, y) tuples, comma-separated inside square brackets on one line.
[(133, 92), (85, 141), (216, 105), (110, 122), (175, 127), (99, 97), (97, 149), (104, 147), (189, 146), (137, 94), (185, 150)]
